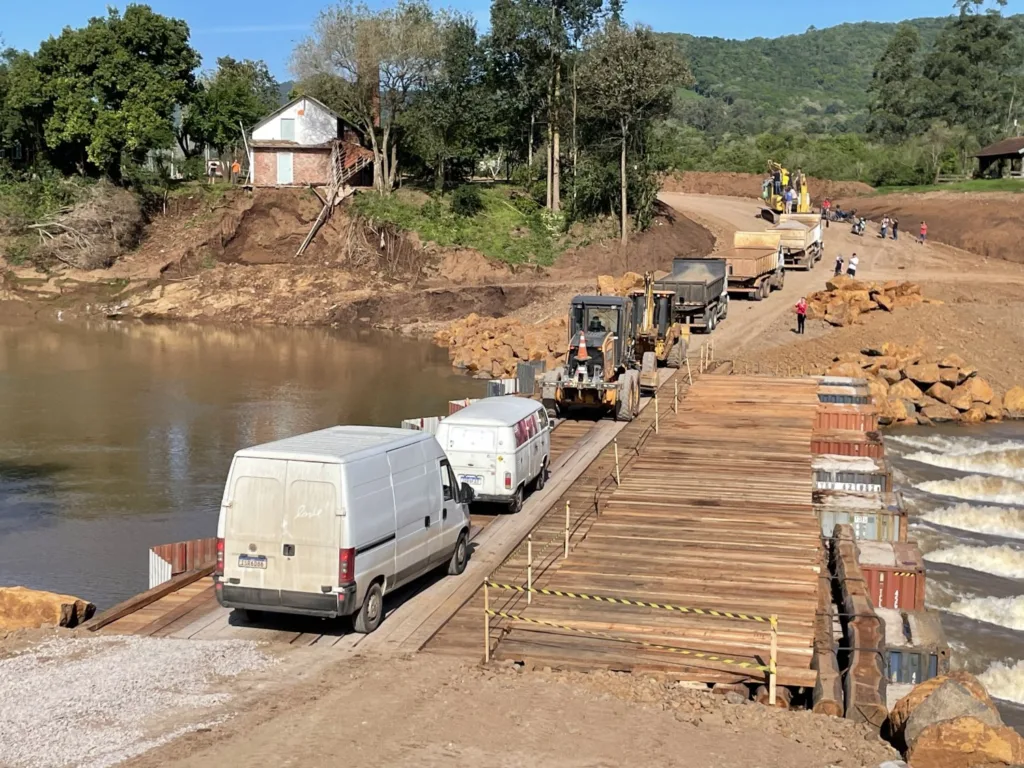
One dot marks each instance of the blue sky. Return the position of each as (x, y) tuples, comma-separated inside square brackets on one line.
[(269, 29)]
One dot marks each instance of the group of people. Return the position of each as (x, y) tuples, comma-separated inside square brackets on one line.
[(890, 223)]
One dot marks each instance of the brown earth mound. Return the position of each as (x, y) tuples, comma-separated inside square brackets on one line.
[(986, 223), (670, 236), (493, 347), (749, 185)]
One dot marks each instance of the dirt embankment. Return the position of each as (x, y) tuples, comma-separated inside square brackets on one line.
[(985, 223), (232, 259), (749, 185)]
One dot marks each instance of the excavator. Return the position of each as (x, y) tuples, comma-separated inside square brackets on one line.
[(773, 192), (657, 339)]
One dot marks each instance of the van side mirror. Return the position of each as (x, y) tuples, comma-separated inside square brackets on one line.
[(466, 494)]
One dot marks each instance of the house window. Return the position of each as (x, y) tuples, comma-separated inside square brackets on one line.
[(288, 129)]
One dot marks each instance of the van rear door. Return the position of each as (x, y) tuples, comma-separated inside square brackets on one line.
[(310, 528), (281, 527), (473, 451)]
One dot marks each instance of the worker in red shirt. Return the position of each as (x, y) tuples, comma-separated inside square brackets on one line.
[(826, 208), (801, 314), (924, 233)]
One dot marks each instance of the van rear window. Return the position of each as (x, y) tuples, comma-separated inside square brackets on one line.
[(470, 439)]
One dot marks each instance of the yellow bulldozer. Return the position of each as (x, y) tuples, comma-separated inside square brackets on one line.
[(773, 191), (658, 340)]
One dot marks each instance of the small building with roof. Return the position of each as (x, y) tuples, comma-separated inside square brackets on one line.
[(1011, 150), (304, 142)]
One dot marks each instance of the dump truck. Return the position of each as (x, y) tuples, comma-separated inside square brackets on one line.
[(800, 238), (658, 339), (600, 372), (756, 263), (700, 296)]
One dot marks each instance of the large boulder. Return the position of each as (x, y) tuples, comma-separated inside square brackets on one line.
[(940, 392), (976, 414), (846, 370), (949, 701), (1013, 402), (961, 398), (879, 389), (940, 412), (894, 410), (949, 376), (905, 389), (884, 301), (924, 374), (841, 313), (966, 742), (905, 302), (23, 608), (952, 360), (980, 389), (906, 706), (891, 375)]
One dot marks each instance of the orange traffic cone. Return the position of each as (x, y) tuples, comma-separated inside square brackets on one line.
[(581, 352)]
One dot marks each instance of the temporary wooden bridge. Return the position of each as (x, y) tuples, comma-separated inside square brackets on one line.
[(713, 513)]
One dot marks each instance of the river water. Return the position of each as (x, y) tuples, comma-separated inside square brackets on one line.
[(117, 436), (964, 488)]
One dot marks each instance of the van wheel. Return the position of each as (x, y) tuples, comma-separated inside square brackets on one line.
[(372, 611), (542, 478), (516, 503), (460, 556)]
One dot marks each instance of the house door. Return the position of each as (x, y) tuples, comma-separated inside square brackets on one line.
[(284, 167)]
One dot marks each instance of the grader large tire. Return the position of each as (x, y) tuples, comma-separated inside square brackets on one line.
[(627, 400), (677, 354)]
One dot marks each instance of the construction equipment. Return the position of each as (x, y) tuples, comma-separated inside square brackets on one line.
[(600, 369), (773, 192), (755, 263), (800, 239), (658, 339), (700, 298)]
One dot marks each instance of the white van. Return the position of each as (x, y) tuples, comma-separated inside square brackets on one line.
[(499, 446), (325, 524)]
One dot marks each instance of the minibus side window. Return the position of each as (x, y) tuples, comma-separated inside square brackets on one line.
[(448, 484)]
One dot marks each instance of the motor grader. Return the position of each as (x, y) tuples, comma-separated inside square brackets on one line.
[(599, 375), (658, 338)]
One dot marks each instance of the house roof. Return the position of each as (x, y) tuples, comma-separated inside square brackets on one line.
[(266, 119), (1004, 148)]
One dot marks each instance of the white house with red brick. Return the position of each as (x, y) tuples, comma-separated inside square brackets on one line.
[(294, 147)]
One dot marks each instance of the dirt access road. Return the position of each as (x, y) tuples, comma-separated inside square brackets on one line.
[(980, 319)]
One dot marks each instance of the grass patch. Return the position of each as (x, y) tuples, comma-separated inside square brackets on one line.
[(507, 228), (972, 185)]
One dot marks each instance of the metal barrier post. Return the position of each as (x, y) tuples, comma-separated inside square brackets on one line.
[(773, 660), (711, 349), (675, 396), (566, 529), (615, 444), (487, 625), (689, 373), (529, 568), (701, 366), (656, 412)]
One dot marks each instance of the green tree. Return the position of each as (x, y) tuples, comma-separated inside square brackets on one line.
[(629, 75), (895, 87), (234, 96), (450, 119), (972, 73), (107, 92), (372, 64)]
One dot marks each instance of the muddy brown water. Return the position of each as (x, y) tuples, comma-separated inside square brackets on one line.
[(115, 437)]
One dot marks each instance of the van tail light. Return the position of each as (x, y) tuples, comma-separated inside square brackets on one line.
[(508, 481), (219, 571), (346, 566)]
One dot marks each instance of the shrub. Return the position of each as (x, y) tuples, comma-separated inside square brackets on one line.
[(466, 201)]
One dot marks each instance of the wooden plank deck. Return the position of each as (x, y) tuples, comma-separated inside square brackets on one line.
[(715, 512)]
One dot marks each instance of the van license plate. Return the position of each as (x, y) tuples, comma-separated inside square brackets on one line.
[(471, 479), (251, 561)]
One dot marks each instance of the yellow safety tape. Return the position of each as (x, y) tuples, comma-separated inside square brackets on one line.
[(627, 601), (657, 646)]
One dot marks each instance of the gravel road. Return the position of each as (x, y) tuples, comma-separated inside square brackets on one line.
[(98, 701)]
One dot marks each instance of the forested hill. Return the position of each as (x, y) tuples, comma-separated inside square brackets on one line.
[(814, 80)]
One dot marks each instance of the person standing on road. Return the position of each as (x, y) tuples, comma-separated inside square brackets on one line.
[(787, 201), (851, 269), (839, 265), (826, 210), (895, 227), (924, 233), (801, 314)]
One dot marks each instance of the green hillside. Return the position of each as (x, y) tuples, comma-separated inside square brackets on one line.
[(816, 81)]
